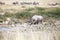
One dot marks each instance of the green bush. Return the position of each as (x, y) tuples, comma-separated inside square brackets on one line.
[(23, 15), (7, 14), (40, 8), (53, 13), (41, 11)]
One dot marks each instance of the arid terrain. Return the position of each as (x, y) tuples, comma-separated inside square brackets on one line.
[(14, 26)]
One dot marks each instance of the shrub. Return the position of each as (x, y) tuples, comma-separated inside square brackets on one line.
[(23, 15), (53, 13)]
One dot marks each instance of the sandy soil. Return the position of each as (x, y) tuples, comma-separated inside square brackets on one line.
[(31, 32)]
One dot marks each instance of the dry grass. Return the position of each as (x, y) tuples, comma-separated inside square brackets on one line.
[(49, 30), (31, 32)]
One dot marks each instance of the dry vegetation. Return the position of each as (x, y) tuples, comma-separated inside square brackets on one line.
[(49, 30), (29, 12)]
